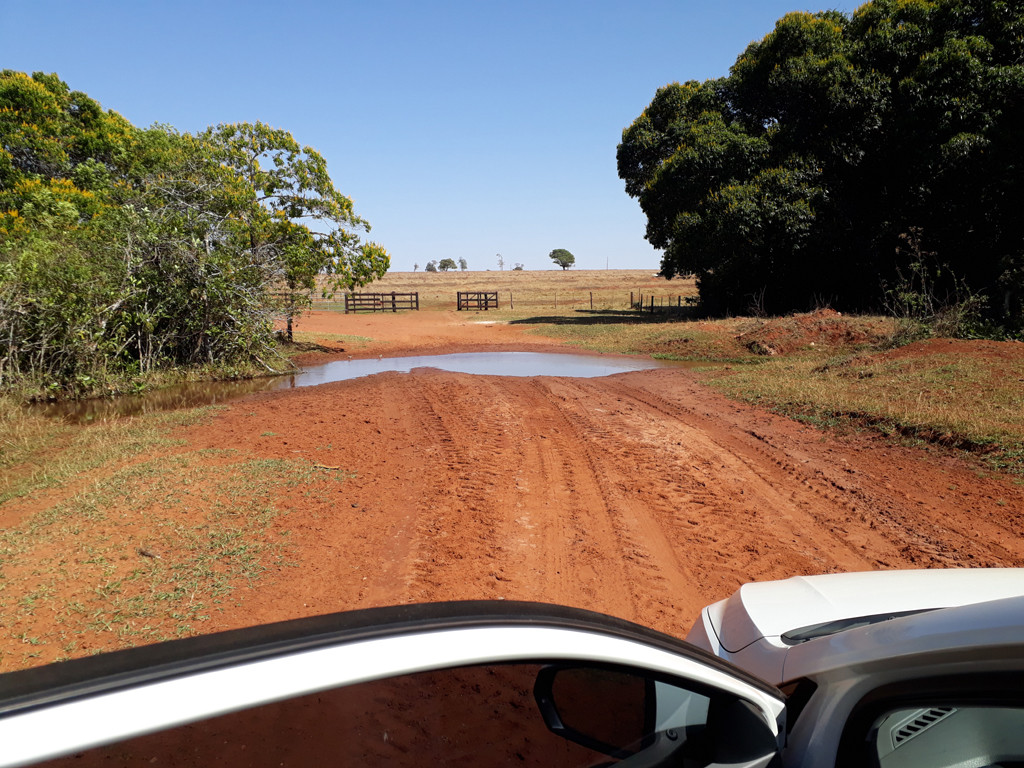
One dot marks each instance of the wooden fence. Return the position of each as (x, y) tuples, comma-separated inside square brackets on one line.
[(477, 300), (656, 303), (380, 302)]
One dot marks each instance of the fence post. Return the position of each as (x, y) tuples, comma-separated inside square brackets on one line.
[(591, 301), (511, 304)]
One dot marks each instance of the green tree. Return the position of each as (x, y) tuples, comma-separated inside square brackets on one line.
[(123, 251), (795, 179), (50, 132), (431, 266), (562, 258), (295, 211), (446, 264), (463, 265)]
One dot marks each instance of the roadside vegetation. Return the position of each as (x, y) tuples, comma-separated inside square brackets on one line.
[(966, 396), (842, 157), (132, 256), (122, 532)]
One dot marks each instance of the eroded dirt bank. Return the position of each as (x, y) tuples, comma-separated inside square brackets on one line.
[(643, 495)]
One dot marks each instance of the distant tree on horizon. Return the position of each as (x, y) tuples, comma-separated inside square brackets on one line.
[(463, 265), (446, 264), (431, 266), (562, 258)]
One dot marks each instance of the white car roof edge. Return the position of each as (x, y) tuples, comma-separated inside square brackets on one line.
[(109, 716), (63, 681)]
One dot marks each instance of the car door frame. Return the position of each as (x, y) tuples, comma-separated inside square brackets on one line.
[(67, 707)]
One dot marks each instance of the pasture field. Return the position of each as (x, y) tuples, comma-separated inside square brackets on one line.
[(535, 290)]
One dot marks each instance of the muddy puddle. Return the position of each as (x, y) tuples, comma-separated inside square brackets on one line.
[(479, 363)]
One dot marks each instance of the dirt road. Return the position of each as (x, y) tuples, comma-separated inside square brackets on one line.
[(643, 495)]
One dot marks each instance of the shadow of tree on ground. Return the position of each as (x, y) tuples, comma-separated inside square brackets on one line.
[(611, 317)]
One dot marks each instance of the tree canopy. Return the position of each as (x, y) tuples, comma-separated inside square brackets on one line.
[(562, 258), (800, 178), (127, 250), (445, 264)]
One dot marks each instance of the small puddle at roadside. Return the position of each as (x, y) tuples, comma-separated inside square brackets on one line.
[(479, 363)]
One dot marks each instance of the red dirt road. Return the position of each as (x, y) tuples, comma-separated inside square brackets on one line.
[(643, 495)]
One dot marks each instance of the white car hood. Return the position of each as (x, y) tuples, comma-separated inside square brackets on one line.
[(770, 609)]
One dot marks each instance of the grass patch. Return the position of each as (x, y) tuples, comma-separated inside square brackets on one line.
[(301, 338), (677, 336), (628, 332), (23, 434), (124, 538), (147, 553), (975, 405), (40, 453)]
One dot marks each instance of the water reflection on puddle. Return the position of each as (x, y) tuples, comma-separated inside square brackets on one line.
[(481, 363)]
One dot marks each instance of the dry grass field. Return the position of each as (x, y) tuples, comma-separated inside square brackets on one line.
[(545, 289)]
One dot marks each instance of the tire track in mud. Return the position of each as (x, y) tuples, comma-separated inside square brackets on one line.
[(714, 496), (466, 446), (651, 460), (840, 490), (616, 524), (642, 495)]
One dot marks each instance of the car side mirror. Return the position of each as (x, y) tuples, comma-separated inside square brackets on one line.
[(607, 710)]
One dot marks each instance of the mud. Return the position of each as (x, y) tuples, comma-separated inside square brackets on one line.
[(644, 495)]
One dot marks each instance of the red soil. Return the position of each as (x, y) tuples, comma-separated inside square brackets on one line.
[(643, 495)]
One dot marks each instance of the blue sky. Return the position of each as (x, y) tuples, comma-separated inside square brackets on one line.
[(459, 129)]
